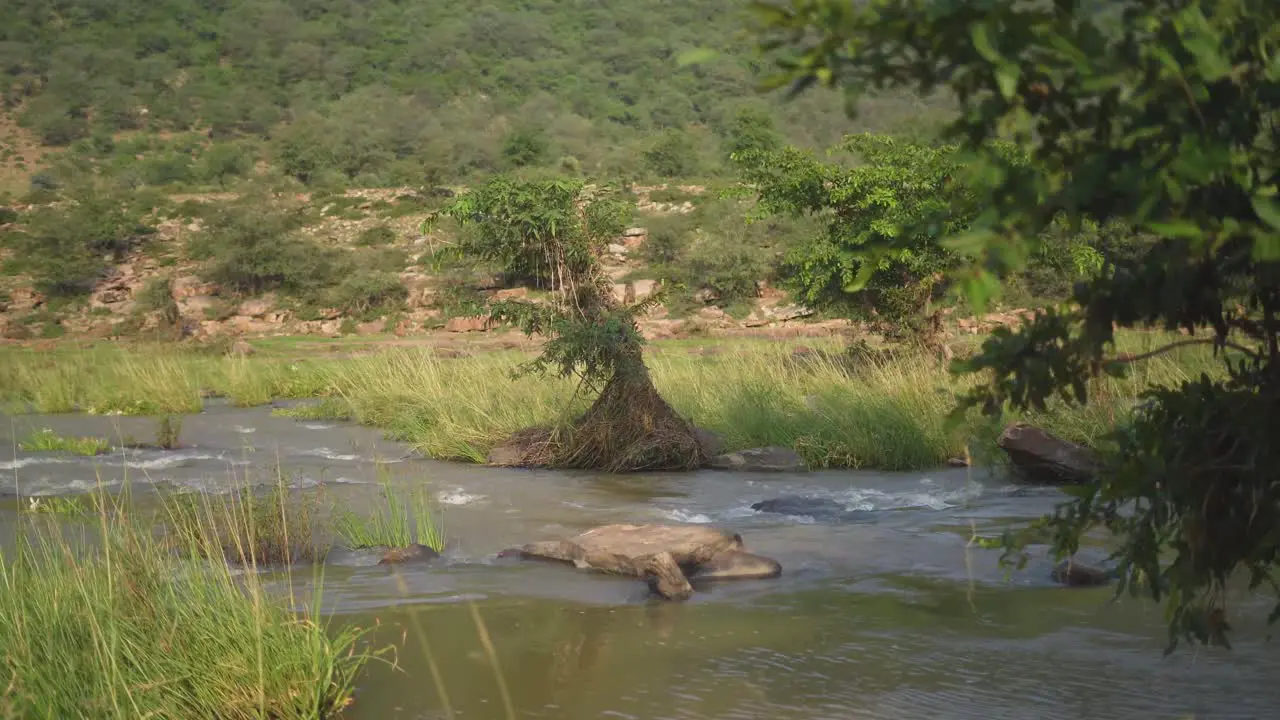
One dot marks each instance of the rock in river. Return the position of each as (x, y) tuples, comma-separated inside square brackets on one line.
[(736, 565), (1073, 574), (818, 508), (408, 554), (665, 556), (1042, 457), (765, 459)]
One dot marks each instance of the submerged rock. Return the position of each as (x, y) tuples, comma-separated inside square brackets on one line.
[(1074, 574), (818, 508), (1041, 457), (765, 459), (408, 554), (736, 565), (665, 556)]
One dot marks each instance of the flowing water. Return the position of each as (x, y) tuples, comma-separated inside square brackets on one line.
[(891, 616)]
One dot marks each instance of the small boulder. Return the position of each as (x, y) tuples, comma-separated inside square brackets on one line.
[(765, 459), (412, 553), (1073, 574), (477, 323), (254, 308), (817, 508), (736, 565), (1041, 457), (709, 442)]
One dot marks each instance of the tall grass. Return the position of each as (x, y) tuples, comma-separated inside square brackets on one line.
[(246, 528), (399, 522), (105, 621), (838, 411)]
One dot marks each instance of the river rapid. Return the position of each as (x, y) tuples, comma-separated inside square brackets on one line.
[(893, 615)]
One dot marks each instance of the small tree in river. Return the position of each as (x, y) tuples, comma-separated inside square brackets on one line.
[(556, 230), (1160, 114)]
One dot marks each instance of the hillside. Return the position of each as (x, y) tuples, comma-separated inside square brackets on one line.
[(385, 93), (130, 128)]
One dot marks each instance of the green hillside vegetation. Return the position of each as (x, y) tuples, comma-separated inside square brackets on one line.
[(337, 92)]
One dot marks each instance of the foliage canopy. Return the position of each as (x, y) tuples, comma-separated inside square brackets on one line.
[(1159, 114)]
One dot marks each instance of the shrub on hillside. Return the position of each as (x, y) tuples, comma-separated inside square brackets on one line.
[(726, 268), (252, 248), (370, 293), (376, 235), (66, 248)]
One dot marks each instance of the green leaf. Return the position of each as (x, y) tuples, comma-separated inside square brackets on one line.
[(1177, 229), (971, 243), (1007, 78), (1266, 247), (1268, 210), (865, 271), (982, 43)]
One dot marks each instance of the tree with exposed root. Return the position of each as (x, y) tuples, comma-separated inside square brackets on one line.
[(552, 233)]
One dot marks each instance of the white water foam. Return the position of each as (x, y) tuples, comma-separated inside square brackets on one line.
[(458, 496), (244, 430), (318, 426), (929, 499), (18, 463), (168, 462), (681, 515), (330, 454)]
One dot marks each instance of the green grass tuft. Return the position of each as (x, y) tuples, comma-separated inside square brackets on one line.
[(398, 523), (46, 440), (114, 624)]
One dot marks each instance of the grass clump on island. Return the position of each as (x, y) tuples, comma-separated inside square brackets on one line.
[(101, 619), (837, 409), (46, 440), (402, 520)]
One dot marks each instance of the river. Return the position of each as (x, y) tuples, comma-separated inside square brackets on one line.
[(893, 616)]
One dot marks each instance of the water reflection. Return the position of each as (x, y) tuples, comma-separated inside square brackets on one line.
[(929, 650)]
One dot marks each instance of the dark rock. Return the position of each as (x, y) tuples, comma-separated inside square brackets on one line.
[(818, 508), (710, 443), (766, 459), (1074, 574), (1041, 457), (408, 554)]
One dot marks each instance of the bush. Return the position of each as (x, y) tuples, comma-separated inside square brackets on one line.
[(668, 239), (726, 268), (673, 154), (221, 162), (526, 146), (252, 248), (66, 249), (376, 235), (369, 294)]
